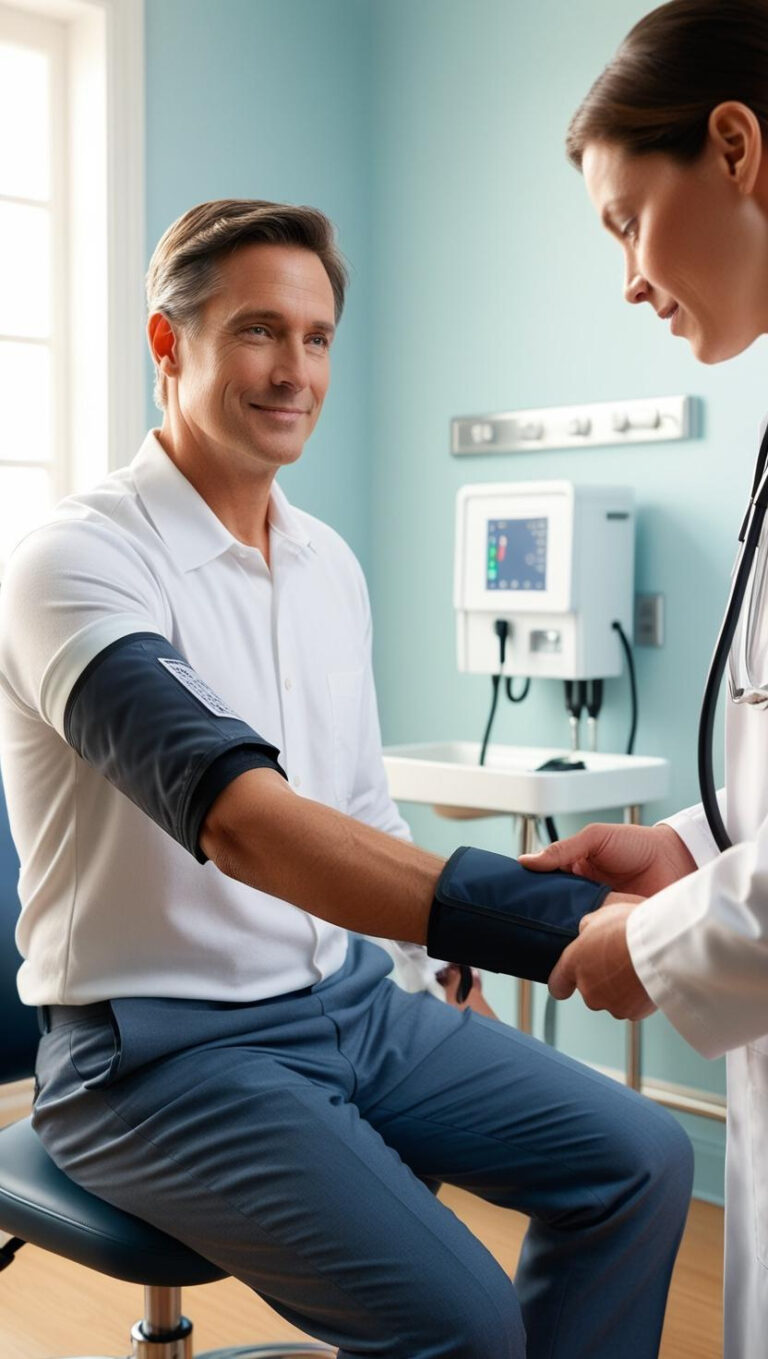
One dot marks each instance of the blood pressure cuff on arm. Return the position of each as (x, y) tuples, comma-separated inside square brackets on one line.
[(491, 912), (143, 718)]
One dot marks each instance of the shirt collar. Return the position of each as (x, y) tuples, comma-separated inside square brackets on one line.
[(192, 532), (285, 522)]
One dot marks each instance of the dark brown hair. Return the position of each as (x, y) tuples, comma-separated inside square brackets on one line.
[(182, 273), (672, 69)]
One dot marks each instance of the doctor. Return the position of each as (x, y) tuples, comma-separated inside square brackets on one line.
[(671, 140)]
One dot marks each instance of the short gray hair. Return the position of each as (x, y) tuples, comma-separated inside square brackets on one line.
[(182, 273)]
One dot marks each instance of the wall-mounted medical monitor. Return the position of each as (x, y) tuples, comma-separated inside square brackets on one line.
[(556, 561), (517, 554), (514, 542)]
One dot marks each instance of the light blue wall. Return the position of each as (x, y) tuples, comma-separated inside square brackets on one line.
[(270, 99), (432, 133)]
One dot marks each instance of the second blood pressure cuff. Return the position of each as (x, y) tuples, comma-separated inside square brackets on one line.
[(491, 912), (143, 718)]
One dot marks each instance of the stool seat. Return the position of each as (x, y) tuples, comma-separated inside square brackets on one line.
[(40, 1204)]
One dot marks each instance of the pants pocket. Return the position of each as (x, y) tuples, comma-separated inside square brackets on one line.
[(94, 1050)]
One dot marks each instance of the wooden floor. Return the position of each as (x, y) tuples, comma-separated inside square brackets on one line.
[(50, 1307)]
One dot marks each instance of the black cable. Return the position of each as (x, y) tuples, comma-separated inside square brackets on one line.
[(517, 698), (501, 628), (494, 700), (632, 684), (551, 829)]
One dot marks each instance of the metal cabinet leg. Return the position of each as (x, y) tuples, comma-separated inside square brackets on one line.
[(525, 1005), (634, 1059), (525, 987), (634, 1052)]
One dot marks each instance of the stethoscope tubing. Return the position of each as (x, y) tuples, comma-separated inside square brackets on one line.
[(749, 534), (717, 671)]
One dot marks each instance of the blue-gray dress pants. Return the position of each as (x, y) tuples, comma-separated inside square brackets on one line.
[(294, 1142)]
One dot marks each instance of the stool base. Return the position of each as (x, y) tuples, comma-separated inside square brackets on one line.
[(288, 1351)]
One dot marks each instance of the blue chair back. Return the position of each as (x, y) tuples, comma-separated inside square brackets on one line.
[(19, 1034)]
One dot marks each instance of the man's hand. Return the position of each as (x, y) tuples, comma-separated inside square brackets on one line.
[(598, 964), (637, 859)]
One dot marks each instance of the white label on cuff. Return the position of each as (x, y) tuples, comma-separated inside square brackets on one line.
[(198, 687)]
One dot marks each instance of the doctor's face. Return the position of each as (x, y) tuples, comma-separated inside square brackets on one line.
[(694, 247)]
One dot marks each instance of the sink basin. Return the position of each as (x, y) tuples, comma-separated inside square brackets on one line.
[(447, 775)]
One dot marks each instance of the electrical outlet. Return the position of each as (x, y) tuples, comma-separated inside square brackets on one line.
[(649, 620)]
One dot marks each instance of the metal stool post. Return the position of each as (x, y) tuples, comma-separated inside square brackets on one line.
[(163, 1333)]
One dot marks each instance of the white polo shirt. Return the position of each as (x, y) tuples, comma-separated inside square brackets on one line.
[(111, 904)]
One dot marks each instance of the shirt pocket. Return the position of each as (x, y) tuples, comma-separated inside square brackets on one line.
[(346, 691)]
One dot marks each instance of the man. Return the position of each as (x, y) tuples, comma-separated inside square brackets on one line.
[(185, 665)]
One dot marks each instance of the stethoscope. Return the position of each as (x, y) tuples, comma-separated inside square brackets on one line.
[(750, 537)]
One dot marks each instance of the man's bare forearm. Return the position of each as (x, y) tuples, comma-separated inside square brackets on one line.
[(261, 833)]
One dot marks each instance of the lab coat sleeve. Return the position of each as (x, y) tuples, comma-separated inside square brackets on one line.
[(693, 828), (700, 948)]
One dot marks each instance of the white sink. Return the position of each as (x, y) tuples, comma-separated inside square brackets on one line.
[(447, 775)]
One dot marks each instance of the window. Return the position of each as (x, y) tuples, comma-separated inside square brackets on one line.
[(33, 273), (72, 377)]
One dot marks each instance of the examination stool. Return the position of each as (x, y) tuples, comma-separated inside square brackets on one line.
[(41, 1206)]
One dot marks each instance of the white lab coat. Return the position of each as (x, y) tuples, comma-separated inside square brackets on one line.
[(700, 948)]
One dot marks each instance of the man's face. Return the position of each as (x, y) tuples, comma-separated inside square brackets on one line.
[(252, 381)]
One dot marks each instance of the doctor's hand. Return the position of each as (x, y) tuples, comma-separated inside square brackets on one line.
[(641, 859), (599, 966)]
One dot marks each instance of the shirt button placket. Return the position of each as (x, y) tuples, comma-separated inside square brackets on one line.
[(287, 686)]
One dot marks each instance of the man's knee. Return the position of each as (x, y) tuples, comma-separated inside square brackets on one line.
[(672, 1165), (660, 1168), (479, 1322)]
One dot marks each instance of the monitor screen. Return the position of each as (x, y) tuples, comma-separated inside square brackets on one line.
[(516, 557)]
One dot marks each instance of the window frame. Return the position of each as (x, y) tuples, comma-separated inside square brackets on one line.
[(103, 75), (45, 34)]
